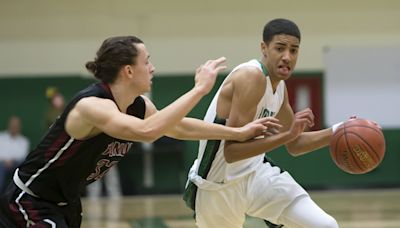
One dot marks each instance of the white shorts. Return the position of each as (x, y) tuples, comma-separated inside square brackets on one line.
[(264, 193)]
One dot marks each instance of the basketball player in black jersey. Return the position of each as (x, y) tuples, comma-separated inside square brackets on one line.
[(97, 129)]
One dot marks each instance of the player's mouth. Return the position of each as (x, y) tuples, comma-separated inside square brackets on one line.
[(284, 70)]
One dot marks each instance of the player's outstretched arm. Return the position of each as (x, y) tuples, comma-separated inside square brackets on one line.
[(305, 142), (194, 129), (93, 113), (311, 140)]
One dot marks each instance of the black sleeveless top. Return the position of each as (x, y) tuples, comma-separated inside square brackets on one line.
[(60, 167)]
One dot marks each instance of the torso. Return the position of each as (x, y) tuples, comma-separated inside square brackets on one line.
[(60, 166), (268, 105)]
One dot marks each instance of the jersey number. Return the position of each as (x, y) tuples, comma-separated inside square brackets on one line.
[(100, 171)]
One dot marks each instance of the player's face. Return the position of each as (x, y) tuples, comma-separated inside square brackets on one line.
[(281, 56), (143, 69)]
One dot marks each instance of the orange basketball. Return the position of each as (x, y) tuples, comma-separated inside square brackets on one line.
[(357, 146)]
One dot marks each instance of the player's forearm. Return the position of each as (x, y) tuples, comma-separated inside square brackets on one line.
[(159, 123), (309, 141), (236, 151), (194, 129)]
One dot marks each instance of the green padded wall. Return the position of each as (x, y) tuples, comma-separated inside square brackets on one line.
[(25, 96)]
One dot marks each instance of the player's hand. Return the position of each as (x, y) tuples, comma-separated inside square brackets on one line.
[(353, 117), (272, 124), (207, 73), (307, 114), (261, 127), (302, 119)]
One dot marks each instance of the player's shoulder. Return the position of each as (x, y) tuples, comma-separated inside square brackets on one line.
[(93, 101), (144, 99), (248, 74)]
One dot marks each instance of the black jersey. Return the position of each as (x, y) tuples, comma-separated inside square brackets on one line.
[(60, 166)]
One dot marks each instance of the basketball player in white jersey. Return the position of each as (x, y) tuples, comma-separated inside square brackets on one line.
[(230, 180)]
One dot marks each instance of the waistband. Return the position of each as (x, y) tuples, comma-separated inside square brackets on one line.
[(202, 183)]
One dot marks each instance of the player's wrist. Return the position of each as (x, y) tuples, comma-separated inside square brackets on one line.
[(238, 134), (200, 90), (336, 126)]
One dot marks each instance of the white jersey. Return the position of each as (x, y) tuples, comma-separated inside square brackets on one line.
[(221, 171)]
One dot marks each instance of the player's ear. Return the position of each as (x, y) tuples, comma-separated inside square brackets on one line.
[(264, 48), (127, 70)]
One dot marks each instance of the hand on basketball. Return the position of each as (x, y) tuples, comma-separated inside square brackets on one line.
[(207, 73), (265, 126), (353, 117)]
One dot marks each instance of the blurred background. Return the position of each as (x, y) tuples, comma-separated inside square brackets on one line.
[(348, 64)]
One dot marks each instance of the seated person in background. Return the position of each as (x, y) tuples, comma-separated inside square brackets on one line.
[(13, 148), (56, 105)]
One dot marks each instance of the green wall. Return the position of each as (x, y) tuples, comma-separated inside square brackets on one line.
[(25, 96)]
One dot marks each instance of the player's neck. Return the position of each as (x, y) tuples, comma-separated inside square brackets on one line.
[(274, 83), (123, 95), (272, 78)]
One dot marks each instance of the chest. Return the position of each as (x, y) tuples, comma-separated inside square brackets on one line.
[(271, 102)]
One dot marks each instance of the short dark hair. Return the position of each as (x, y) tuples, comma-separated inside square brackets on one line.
[(114, 53), (280, 26)]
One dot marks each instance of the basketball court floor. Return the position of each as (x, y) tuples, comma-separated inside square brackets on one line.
[(378, 208)]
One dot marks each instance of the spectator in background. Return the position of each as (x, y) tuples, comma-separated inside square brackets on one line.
[(13, 148), (56, 105)]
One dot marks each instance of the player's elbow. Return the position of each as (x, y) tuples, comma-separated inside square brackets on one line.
[(149, 135), (178, 132), (229, 155), (293, 150), (229, 159)]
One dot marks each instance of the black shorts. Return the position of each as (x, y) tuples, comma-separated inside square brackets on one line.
[(18, 209)]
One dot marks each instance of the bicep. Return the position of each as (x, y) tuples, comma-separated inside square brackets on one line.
[(242, 112), (285, 114), (94, 114), (246, 95)]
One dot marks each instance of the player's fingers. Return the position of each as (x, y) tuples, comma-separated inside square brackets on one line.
[(261, 127), (266, 119), (376, 124), (273, 125), (217, 62), (199, 68), (312, 114), (208, 62), (220, 68), (306, 111), (273, 131), (304, 115), (304, 121), (267, 133)]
